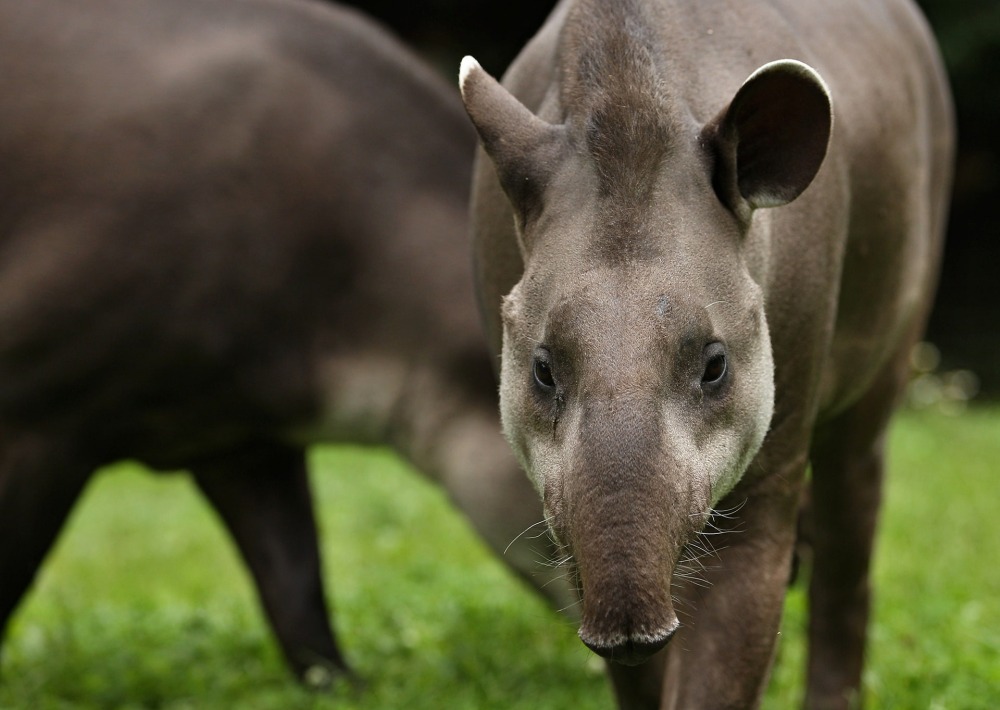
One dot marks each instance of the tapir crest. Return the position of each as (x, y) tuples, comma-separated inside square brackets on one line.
[(646, 207)]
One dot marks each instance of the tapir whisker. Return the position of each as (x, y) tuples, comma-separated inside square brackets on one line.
[(532, 537), (684, 609), (729, 513), (570, 606), (726, 513), (567, 575), (556, 563), (687, 573), (715, 303)]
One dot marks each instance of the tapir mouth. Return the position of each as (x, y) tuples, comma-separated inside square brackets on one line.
[(629, 649), (625, 582), (627, 619)]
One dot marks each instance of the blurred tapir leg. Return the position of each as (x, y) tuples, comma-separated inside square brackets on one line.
[(39, 482), (262, 494), (454, 437), (848, 460)]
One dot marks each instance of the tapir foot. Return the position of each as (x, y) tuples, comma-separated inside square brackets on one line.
[(262, 494)]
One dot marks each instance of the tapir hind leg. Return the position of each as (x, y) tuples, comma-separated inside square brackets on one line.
[(39, 482), (847, 460), (262, 494)]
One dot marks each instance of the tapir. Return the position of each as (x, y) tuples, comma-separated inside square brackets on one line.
[(229, 230), (706, 238)]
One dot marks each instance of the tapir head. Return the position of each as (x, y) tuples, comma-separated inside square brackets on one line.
[(637, 380)]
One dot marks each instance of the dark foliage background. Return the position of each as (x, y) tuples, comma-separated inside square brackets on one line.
[(965, 324), (966, 320)]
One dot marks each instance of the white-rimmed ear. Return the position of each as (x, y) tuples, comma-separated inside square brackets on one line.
[(772, 138), (524, 148)]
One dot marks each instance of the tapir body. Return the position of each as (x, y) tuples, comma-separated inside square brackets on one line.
[(707, 236), (229, 230)]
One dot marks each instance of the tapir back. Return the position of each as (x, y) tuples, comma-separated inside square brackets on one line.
[(191, 183)]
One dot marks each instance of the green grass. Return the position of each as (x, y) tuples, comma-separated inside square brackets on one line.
[(143, 603)]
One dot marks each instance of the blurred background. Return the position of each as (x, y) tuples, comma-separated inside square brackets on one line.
[(965, 325)]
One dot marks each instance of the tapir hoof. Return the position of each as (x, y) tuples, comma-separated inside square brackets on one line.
[(630, 651)]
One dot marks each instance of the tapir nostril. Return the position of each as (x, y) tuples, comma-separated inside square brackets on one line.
[(633, 650)]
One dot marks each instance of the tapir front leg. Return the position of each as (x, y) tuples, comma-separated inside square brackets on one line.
[(721, 656), (262, 494), (39, 482), (639, 687)]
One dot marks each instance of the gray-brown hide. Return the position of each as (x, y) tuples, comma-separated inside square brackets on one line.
[(227, 230), (707, 235)]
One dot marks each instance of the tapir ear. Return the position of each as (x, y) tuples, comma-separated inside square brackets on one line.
[(773, 136), (524, 148)]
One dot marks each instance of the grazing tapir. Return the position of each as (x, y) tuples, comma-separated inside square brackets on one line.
[(707, 235), (229, 230)]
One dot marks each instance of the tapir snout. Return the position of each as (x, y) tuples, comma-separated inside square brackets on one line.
[(626, 535)]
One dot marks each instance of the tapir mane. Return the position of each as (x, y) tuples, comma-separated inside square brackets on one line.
[(617, 107)]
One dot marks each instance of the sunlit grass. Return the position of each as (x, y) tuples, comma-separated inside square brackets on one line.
[(144, 604)]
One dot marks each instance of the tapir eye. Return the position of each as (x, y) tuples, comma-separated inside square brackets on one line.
[(716, 366), (542, 370)]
